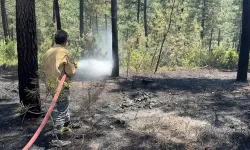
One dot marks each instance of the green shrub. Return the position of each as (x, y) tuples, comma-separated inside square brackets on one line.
[(218, 58), (8, 52), (231, 59), (223, 59)]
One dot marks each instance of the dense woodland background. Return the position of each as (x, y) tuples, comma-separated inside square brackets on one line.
[(171, 33)]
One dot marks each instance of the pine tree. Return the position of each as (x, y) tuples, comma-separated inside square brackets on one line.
[(27, 54)]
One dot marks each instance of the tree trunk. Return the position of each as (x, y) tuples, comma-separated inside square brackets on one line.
[(11, 30), (4, 20), (219, 38), (96, 23), (115, 70), (58, 18), (210, 41), (106, 31), (90, 22), (164, 37), (145, 19), (81, 18), (203, 18), (54, 13), (106, 23), (239, 41), (138, 10), (245, 43), (27, 54)]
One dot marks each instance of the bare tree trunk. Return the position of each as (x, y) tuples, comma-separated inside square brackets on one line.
[(27, 54), (219, 38), (90, 22), (57, 12), (128, 53), (164, 37), (245, 43), (54, 13), (210, 41), (81, 18), (4, 20), (153, 59), (138, 20), (11, 30), (203, 18), (106, 22), (106, 30), (239, 41), (115, 70), (145, 19), (138, 10), (96, 22), (146, 23)]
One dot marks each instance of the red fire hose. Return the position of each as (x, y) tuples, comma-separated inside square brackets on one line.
[(45, 120)]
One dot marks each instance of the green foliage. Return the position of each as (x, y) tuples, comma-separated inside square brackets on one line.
[(221, 58), (183, 46), (8, 52)]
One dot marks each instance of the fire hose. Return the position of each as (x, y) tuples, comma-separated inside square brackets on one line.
[(45, 119)]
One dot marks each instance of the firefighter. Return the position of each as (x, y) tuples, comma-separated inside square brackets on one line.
[(57, 62)]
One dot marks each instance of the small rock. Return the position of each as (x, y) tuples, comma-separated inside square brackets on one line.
[(232, 126), (59, 143), (145, 97), (79, 136), (152, 101), (118, 121), (125, 105), (112, 127), (96, 115), (107, 106)]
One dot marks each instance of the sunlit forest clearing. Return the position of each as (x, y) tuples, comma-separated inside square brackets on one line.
[(138, 74)]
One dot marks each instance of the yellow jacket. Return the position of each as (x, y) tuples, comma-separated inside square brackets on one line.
[(56, 62)]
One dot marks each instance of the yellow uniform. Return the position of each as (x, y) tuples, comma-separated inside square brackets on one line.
[(56, 62)]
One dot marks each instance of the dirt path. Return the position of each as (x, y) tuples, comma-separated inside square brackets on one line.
[(202, 109)]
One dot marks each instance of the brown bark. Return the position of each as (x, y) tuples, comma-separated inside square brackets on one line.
[(4, 20), (115, 55), (245, 43), (219, 38), (145, 19), (27, 54), (57, 13), (96, 23), (81, 17), (138, 10), (203, 18), (54, 13)]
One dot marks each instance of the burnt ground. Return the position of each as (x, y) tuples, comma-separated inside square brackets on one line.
[(186, 109)]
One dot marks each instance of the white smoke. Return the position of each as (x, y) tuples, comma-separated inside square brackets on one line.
[(94, 68)]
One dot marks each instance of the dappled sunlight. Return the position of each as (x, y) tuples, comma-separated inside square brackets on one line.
[(166, 126)]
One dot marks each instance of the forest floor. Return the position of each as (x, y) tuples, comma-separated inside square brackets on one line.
[(185, 109)]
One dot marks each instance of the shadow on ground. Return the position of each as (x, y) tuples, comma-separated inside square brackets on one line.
[(193, 85)]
